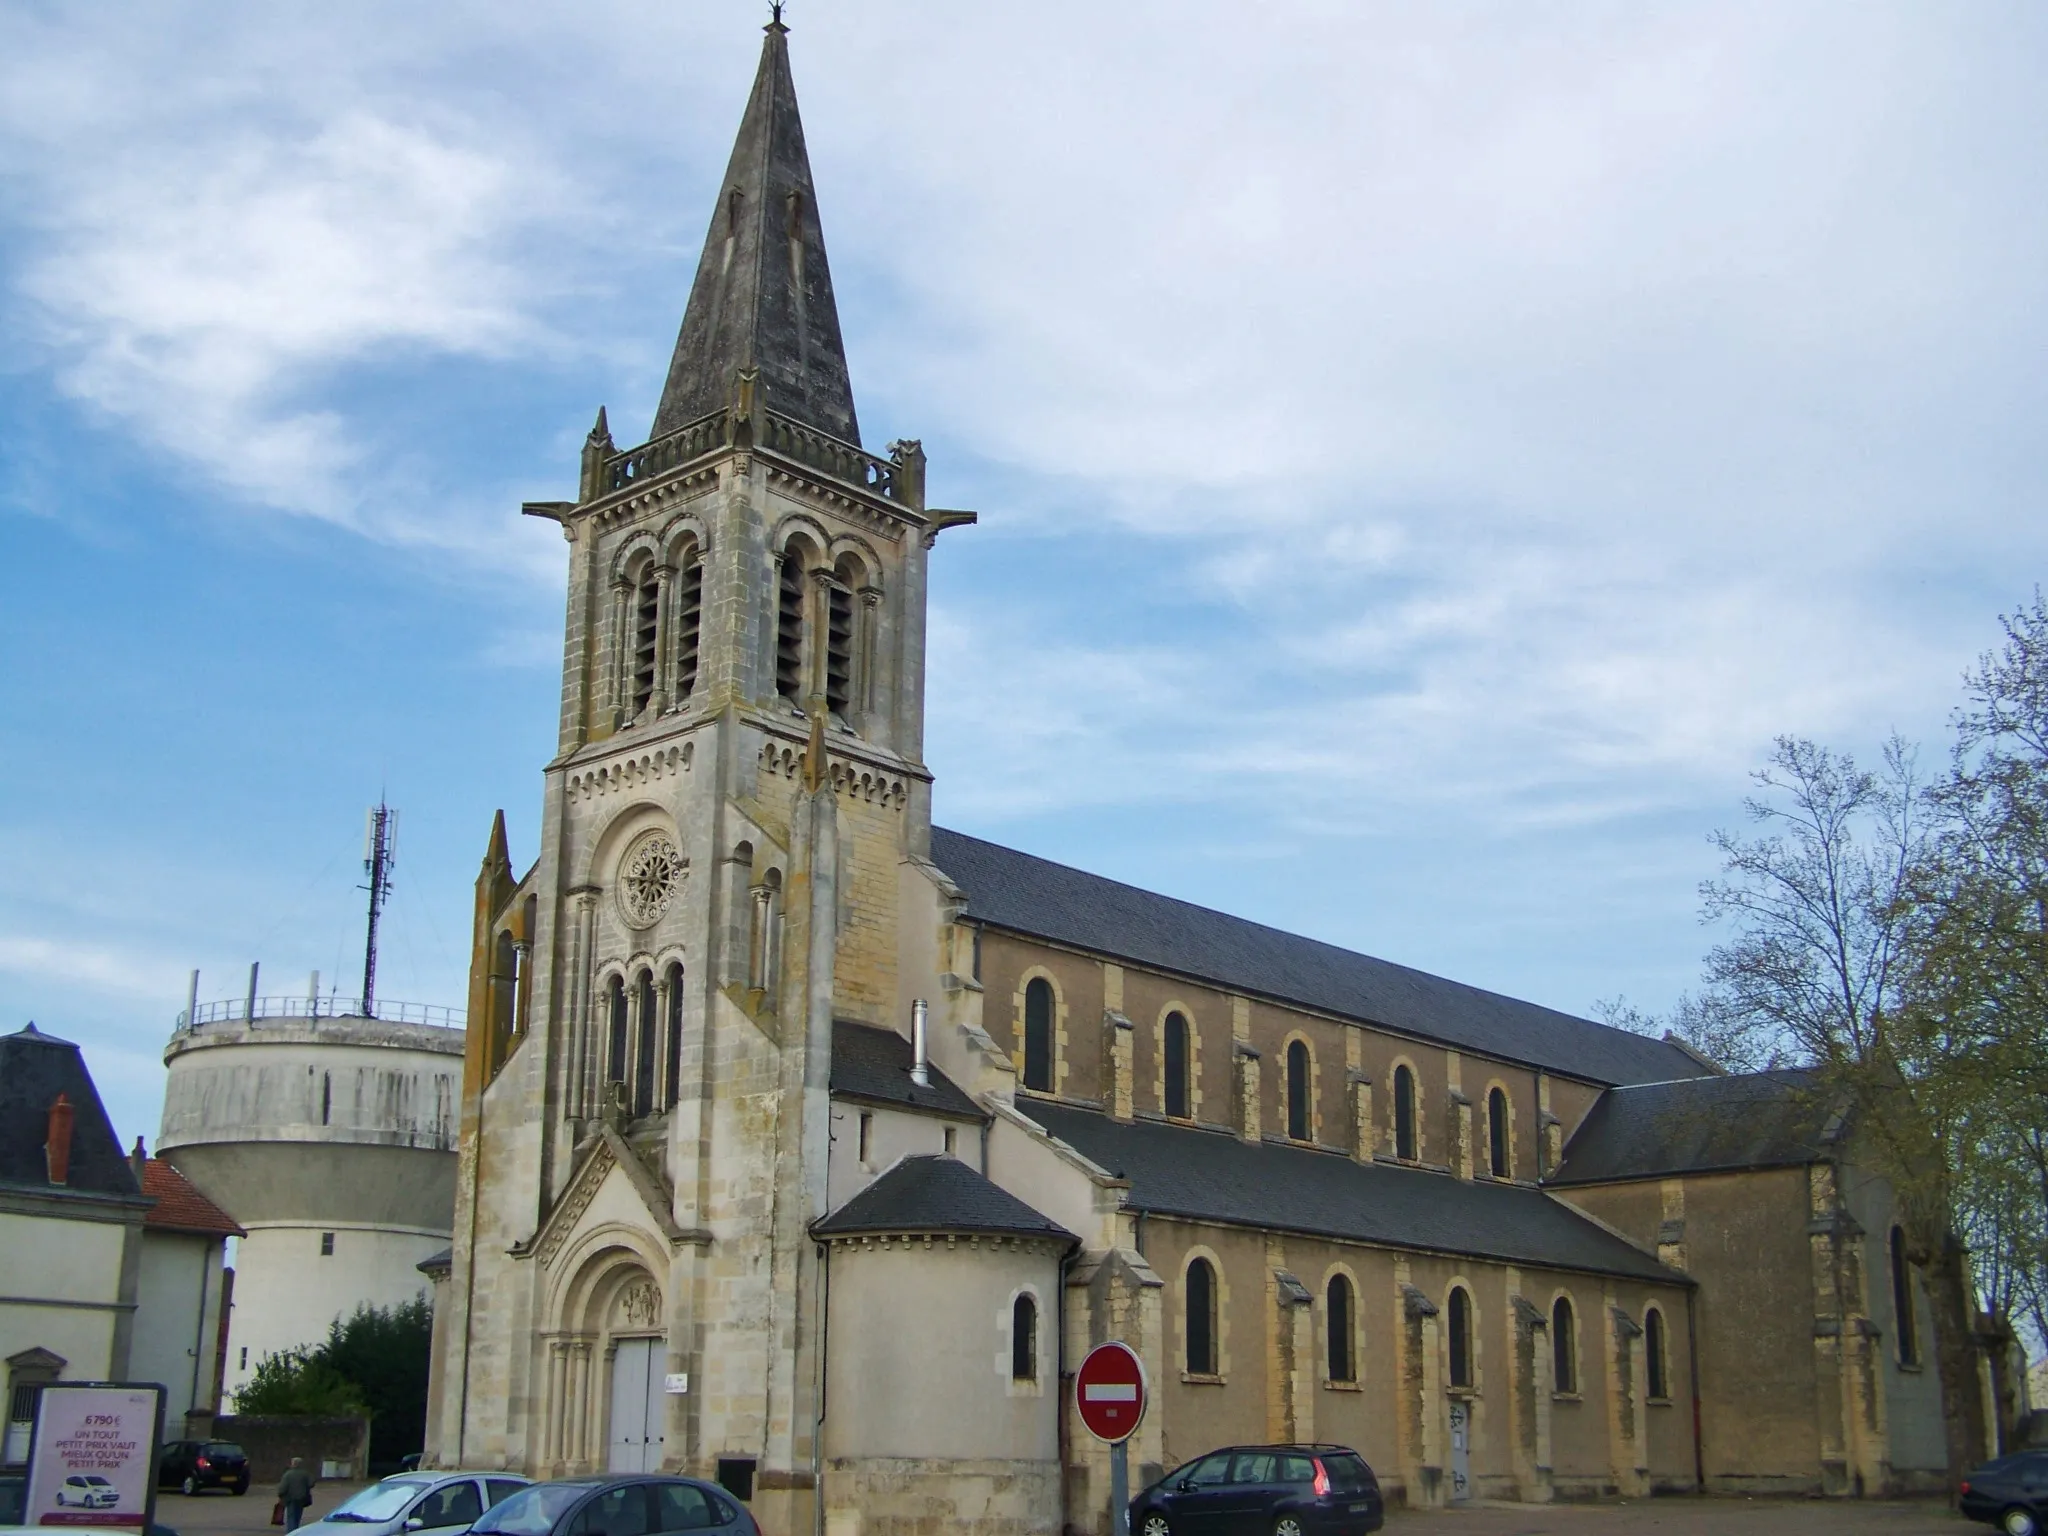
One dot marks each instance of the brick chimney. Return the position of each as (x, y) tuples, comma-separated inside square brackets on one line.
[(57, 1148)]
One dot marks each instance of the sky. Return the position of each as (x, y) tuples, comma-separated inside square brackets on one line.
[(1424, 454)]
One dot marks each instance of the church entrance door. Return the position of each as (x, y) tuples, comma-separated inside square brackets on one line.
[(1461, 1450), (635, 1440)]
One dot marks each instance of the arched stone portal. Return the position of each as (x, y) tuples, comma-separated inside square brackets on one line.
[(606, 1355)]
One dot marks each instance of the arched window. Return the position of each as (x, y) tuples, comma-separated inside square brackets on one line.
[(688, 608), (1038, 1011), (1404, 1112), (1904, 1322), (1338, 1311), (789, 624), (1177, 1066), (646, 1055), (1460, 1325), (671, 1084), (615, 998), (1201, 1303), (1657, 1366), (1564, 1346), (1497, 1133), (1024, 1338), (1299, 1124)]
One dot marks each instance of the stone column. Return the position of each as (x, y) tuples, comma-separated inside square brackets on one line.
[(619, 655), (1361, 1117), (664, 636), (553, 1406), (582, 966), (1247, 1060), (1122, 1051)]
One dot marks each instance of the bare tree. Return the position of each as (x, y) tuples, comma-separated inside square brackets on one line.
[(1817, 972)]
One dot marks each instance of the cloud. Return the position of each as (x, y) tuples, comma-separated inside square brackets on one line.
[(122, 972)]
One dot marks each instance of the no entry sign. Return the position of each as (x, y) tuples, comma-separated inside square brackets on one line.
[(1109, 1392)]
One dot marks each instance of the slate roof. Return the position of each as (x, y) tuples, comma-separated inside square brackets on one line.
[(752, 305), (934, 1193), (180, 1207), (438, 1263), (874, 1064), (34, 1069), (1035, 896), (1700, 1125), (1214, 1176)]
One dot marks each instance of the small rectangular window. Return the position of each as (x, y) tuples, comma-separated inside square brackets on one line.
[(952, 1142), (245, 1358), (326, 1245), (867, 1137), (736, 1477)]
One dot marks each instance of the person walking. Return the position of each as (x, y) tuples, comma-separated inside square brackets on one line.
[(295, 1492)]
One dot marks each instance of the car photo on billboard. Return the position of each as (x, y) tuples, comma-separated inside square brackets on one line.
[(92, 1458)]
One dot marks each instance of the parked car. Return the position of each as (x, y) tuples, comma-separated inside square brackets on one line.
[(191, 1465), (619, 1506), (2010, 1493), (1263, 1490), (446, 1503)]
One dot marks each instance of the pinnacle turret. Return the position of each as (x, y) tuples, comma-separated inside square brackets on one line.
[(763, 294)]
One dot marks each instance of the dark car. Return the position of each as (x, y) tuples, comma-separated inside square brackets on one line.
[(1263, 1490), (617, 1506), (2010, 1493), (195, 1464)]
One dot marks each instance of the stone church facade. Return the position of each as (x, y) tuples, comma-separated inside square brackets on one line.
[(808, 1147)]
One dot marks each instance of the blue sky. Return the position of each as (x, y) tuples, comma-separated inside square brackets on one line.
[(1424, 454)]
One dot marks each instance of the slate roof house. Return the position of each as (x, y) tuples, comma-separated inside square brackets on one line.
[(806, 1146)]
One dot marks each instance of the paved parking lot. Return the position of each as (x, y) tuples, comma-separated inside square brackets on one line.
[(1692, 1517), (215, 1513), (221, 1514)]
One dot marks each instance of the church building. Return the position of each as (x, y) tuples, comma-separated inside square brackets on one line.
[(808, 1147)]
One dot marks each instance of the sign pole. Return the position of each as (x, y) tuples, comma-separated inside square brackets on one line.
[(1110, 1395)]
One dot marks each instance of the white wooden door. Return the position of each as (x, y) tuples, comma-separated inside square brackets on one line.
[(635, 1439)]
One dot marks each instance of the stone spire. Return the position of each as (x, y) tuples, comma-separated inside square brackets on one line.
[(763, 294)]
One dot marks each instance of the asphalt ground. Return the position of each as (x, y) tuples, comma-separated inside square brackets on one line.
[(222, 1514)]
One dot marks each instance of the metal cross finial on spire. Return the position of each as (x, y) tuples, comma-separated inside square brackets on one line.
[(775, 16)]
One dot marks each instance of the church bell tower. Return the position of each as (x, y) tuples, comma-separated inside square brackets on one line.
[(735, 824)]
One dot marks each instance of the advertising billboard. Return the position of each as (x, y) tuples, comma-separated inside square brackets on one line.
[(93, 1458)]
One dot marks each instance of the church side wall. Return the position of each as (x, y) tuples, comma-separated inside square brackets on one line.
[(1451, 1087), (1528, 1440), (1745, 1240)]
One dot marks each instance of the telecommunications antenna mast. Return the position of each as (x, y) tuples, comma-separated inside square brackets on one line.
[(380, 850)]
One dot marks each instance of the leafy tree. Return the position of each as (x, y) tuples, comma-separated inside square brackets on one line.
[(297, 1381), (383, 1352), (373, 1363)]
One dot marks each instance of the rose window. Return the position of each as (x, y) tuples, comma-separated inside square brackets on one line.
[(648, 879)]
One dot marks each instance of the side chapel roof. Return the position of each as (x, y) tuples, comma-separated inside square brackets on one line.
[(936, 1193), (1013, 890), (34, 1069), (1701, 1125), (1212, 1175), (763, 292), (872, 1063)]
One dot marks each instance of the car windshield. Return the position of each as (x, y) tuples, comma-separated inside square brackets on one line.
[(531, 1511), (221, 1448), (381, 1501), (1348, 1474)]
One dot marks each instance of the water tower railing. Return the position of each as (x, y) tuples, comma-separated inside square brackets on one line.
[(237, 1010)]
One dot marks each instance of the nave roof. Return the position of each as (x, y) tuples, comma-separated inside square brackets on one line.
[(1213, 1175), (1035, 896)]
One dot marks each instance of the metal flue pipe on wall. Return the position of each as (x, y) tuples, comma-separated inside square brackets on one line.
[(920, 1062)]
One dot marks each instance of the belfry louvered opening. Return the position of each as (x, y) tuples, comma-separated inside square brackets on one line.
[(838, 649), (689, 614), (789, 625), (646, 626)]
